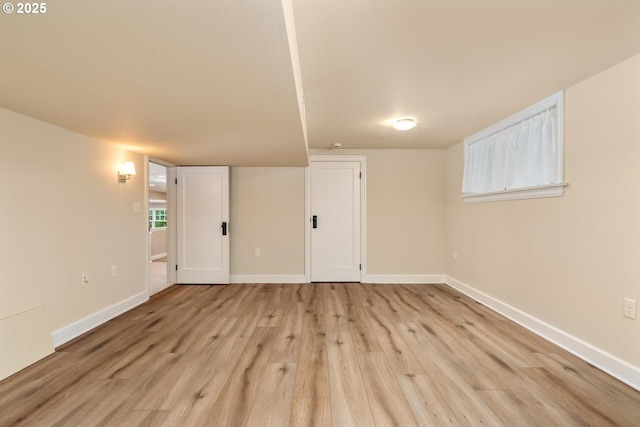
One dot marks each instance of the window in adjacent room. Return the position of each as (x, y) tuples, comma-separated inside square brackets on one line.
[(157, 218), (518, 158)]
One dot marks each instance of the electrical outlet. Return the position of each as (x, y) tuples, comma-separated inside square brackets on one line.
[(85, 278), (455, 254), (114, 271), (257, 251), (630, 308)]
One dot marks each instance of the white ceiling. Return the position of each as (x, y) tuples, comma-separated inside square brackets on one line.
[(157, 178), (188, 82), (456, 66), (218, 81)]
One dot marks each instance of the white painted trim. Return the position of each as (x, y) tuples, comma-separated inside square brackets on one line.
[(553, 190), (555, 100), (78, 328), (307, 218), (158, 256), (161, 162), (362, 159), (426, 279), (147, 243), (612, 365), (172, 229), (363, 217), (268, 278)]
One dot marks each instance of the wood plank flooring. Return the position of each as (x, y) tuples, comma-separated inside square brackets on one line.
[(313, 355)]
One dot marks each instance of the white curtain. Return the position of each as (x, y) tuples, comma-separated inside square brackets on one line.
[(521, 156)]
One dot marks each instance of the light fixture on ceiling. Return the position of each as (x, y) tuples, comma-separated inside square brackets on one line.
[(337, 145), (404, 124), (126, 171)]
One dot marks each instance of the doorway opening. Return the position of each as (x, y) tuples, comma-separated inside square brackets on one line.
[(158, 223)]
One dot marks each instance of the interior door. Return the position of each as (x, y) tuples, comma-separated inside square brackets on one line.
[(203, 224), (335, 229)]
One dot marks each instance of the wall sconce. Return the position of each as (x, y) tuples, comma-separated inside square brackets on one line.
[(127, 169)]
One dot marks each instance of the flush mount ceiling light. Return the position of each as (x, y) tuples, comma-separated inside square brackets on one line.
[(404, 124)]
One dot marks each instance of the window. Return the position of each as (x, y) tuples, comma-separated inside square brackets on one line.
[(157, 218), (519, 157)]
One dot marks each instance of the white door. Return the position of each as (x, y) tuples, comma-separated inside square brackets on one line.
[(203, 225), (335, 229)]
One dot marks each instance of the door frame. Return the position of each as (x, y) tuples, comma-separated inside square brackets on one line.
[(362, 159), (171, 246)]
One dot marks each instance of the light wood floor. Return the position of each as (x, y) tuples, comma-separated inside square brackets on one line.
[(321, 355), (157, 276)]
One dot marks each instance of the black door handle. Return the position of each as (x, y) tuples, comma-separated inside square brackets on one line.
[(315, 221), (224, 228)]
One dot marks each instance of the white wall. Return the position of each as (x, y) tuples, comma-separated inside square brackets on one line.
[(158, 243), (566, 261), (64, 212), (157, 195), (267, 212)]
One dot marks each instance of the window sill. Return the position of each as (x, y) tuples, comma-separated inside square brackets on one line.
[(554, 190)]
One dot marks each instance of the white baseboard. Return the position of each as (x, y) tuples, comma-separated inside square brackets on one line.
[(267, 278), (370, 278), (405, 278), (158, 256), (612, 365), (78, 328)]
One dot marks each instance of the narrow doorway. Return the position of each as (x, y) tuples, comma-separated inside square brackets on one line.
[(158, 226)]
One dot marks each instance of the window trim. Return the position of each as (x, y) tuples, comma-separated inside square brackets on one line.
[(554, 190), (153, 219)]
